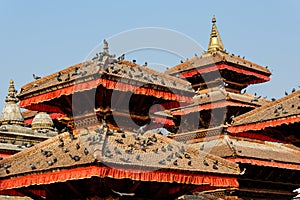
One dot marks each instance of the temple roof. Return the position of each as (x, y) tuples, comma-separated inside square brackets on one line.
[(113, 74), (270, 153), (117, 150), (215, 98), (216, 55), (282, 111), (199, 62)]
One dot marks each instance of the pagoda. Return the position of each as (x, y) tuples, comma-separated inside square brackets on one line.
[(261, 141), (218, 79), (111, 145), (266, 142), (113, 116), (119, 91)]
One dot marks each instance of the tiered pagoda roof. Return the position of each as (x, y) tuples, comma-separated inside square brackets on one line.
[(219, 97), (256, 152), (216, 66), (282, 111), (106, 71), (116, 155)]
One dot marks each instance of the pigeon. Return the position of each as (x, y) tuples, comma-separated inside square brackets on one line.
[(190, 163), (138, 157), (49, 162), (187, 156), (108, 154), (43, 152), (117, 151), (125, 160), (181, 149), (119, 140), (65, 150), (170, 147), (129, 151), (155, 150), (72, 137), (36, 77), (154, 139), (32, 166), (75, 158), (48, 154), (109, 132), (85, 151), (215, 166), (205, 163), (178, 155), (77, 146), (75, 71), (255, 99), (58, 77), (60, 139), (61, 144), (162, 162), (175, 162), (202, 147)]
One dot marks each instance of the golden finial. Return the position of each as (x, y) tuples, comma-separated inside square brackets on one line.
[(213, 20), (215, 41)]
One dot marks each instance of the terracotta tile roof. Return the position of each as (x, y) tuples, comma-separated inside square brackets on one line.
[(221, 94), (124, 71), (281, 109), (210, 59), (229, 147), (204, 101), (118, 149)]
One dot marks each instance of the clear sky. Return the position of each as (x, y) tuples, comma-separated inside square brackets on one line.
[(43, 37)]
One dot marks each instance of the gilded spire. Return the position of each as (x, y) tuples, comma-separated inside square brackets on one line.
[(215, 41), (12, 93)]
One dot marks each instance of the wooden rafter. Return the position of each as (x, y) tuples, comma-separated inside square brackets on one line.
[(78, 194), (30, 194)]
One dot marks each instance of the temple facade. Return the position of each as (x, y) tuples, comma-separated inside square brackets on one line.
[(109, 128)]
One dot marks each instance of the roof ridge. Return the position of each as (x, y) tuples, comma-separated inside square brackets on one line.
[(50, 76)]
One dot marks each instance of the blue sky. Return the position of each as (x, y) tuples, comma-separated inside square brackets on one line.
[(43, 37)]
